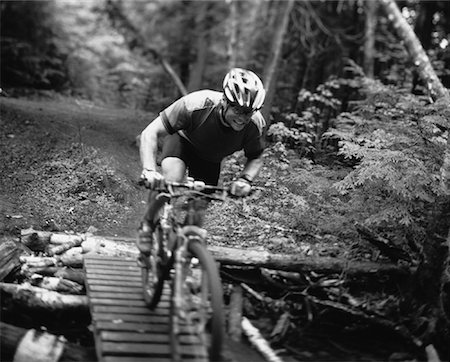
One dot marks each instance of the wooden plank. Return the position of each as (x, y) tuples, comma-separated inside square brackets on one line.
[(131, 283), (90, 261), (110, 265), (105, 295), (90, 257), (156, 319), (136, 359), (130, 310), (116, 264), (145, 337), (126, 330), (138, 327), (116, 348), (122, 302), (115, 288), (131, 327), (137, 295), (132, 272), (115, 271), (97, 276)]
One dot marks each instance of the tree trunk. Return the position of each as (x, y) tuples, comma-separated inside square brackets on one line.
[(369, 42), (115, 12), (299, 263), (43, 299), (415, 49), (198, 68), (11, 336), (232, 33), (270, 74), (256, 13)]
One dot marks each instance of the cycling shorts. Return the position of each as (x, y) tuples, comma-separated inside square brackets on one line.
[(198, 168)]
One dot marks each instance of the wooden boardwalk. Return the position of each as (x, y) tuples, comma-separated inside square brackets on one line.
[(125, 329)]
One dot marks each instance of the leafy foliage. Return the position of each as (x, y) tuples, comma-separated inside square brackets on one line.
[(32, 55), (397, 150), (302, 130)]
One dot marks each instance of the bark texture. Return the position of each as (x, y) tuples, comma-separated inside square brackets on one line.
[(415, 49)]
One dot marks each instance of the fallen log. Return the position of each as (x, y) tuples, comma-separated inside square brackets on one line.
[(56, 284), (11, 336), (9, 258), (72, 257), (386, 247), (73, 274), (258, 341), (302, 263), (253, 258), (59, 238), (39, 298), (35, 240), (38, 261), (368, 316), (61, 248)]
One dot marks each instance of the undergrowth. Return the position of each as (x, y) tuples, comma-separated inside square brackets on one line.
[(81, 189)]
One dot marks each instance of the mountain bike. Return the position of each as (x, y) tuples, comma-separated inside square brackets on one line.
[(179, 256)]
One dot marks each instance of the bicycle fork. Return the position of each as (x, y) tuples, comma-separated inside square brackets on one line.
[(180, 297)]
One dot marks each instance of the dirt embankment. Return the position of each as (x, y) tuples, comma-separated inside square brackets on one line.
[(69, 165)]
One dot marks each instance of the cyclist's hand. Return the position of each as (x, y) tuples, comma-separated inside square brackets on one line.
[(240, 188), (152, 179)]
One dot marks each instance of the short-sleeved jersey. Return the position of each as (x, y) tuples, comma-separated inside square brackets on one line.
[(197, 118)]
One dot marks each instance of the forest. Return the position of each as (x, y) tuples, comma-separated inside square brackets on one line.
[(357, 164)]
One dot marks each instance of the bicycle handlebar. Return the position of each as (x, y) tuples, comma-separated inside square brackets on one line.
[(197, 187)]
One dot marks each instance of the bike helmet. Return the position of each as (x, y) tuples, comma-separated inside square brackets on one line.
[(243, 88)]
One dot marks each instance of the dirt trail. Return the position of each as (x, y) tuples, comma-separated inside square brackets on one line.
[(31, 132)]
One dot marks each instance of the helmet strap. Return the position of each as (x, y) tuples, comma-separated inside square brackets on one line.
[(223, 109)]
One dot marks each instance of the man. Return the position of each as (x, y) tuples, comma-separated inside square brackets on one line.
[(202, 128)]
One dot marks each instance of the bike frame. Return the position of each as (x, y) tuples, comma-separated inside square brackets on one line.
[(175, 242), (175, 246)]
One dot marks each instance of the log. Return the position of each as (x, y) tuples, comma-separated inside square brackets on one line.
[(367, 316), (61, 248), (56, 284), (66, 238), (35, 240), (39, 346), (12, 335), (75, 275), (281, 328), (72, 257), (385, 246), (39, 298), (303, 263), (258, 341), (253, 258), (38, 261), (9, 258)]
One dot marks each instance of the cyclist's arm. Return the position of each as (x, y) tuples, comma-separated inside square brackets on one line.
[(149, 143), (252, 168)]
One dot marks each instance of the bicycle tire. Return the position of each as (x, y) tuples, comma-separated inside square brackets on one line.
[(210, 288), (153, 274)]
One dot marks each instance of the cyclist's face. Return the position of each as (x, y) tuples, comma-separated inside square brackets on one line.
[(237, 117)]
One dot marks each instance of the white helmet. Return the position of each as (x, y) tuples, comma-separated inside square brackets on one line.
[(244, 88)]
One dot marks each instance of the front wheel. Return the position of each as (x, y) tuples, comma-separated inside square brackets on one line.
[(200, 307), (153, 272)]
